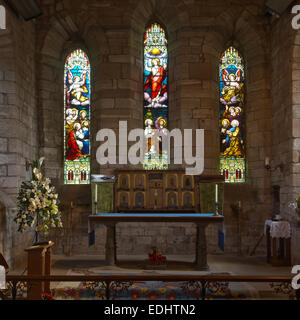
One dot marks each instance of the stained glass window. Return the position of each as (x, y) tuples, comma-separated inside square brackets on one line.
[(77, 118), (155, 97), (232, 121)]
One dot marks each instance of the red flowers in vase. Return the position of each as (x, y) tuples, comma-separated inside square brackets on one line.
[(156, 257)]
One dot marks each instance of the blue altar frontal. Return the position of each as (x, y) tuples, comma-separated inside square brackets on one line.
[(175, 215), (157, 217)]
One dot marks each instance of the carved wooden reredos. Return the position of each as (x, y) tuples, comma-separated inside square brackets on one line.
[(171, 190)]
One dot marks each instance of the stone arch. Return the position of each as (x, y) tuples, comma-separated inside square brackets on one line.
[(238, 28), (172, 16), (57, 43)]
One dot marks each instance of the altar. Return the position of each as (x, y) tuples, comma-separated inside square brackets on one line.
[(155, 197)]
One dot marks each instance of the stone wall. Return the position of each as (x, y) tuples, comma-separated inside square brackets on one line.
[(285, 121), (18, 121), (111, 32), (198, 32)]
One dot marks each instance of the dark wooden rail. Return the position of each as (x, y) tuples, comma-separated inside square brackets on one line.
[(148, 277), (108, 279)]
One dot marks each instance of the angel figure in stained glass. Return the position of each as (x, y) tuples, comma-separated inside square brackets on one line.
[(232, 93), (77, 89)]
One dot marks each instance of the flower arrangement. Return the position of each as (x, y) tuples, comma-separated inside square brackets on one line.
[(156, 257), (38, 203), (47, 296)]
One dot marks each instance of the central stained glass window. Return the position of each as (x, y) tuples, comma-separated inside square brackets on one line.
[(155, 97)]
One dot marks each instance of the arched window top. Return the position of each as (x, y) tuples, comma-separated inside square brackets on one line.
[(77, 93), (232, 56), (155, 96), (155, 35), (232, 120)]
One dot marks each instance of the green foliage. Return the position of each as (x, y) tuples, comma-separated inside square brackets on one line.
[(298, 202)]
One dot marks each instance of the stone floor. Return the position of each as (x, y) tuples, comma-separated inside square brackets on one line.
[(62, 265), (218, 264)]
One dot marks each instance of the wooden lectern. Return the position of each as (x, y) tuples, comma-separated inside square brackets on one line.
[(39, 264)]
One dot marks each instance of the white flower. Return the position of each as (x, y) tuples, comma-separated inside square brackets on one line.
[(33, 204), (41, 160)]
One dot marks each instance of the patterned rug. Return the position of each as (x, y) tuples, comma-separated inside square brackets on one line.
[(147, 290), (153, 290)]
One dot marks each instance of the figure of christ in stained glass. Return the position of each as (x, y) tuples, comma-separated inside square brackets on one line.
[(155, 97)]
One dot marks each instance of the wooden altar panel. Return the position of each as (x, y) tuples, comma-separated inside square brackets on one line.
[(124, 200), (172, 200), (171, 181), (160, 190), (139, 200), (124, 181), (140, 181)]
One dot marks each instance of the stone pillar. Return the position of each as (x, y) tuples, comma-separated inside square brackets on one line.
[(110, 248), (201, 248)]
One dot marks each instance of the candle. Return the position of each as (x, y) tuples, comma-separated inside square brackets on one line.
[(216, 193), (267, 162), (96, 192)]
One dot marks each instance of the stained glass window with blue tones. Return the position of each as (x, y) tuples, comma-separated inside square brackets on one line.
[(155, 97), (232, 120), (77, 94)]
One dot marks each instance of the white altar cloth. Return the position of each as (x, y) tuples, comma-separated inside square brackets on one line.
[(278, 229)]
